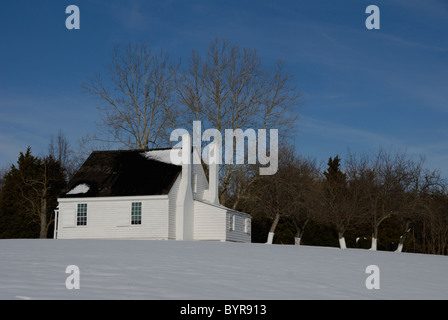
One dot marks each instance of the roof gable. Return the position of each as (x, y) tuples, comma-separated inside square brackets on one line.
[(123, 173)]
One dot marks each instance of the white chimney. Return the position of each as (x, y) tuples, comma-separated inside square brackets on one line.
[(213, 173), (184, 204)]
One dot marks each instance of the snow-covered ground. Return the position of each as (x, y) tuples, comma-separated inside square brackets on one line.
[(138, 269)]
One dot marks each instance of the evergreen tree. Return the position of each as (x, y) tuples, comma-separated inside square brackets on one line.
[(333, 174), (29, 196)]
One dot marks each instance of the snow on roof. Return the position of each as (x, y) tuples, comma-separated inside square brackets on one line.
[(159, 155), (80, 188)]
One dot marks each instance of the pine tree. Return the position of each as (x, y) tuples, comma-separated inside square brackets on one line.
[(334, 175), (29, 195)]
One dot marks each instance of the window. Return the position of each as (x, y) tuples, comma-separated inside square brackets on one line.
[(247, 225), (136, 213), (81, 217), (232, 222)]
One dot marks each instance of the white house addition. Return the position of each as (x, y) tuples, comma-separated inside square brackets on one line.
[(142, 195)]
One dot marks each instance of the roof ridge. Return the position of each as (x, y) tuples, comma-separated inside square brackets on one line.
[(132, 150)]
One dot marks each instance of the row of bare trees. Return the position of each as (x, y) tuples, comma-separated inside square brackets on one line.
[(364, 190)]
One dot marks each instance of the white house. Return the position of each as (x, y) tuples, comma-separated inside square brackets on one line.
[(143, 195)]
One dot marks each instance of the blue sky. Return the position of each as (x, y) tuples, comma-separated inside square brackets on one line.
[(363, 89)]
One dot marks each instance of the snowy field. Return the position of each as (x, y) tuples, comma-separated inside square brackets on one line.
[(128, 269)]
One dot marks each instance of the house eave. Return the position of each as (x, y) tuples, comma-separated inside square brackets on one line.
[(116, 198), (220, 206)]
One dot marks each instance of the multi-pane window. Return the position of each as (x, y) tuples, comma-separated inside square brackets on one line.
[(81, 217), (136, 213)]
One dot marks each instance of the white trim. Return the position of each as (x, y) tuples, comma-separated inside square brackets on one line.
[(224, 208), (118, 198), (56, 216)]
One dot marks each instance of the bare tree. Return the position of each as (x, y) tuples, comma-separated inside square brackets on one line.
[(384, 181), (229, 88), (436, 220), (394, 185), (61, 150), (307, 201), (275, 196), (137, 97), (341, 197), (423, 191)]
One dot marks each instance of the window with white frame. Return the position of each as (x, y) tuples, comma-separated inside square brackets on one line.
[(81, 216), (247, 225), (136, 213), (231, 222)]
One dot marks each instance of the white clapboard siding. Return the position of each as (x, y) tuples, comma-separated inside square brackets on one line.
[(68, 219), (209, 222), (111, 218), (238, 226)]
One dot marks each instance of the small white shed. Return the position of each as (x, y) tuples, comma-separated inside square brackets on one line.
[(143, 195)]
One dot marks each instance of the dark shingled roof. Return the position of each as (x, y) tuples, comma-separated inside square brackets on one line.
[(123, 173)]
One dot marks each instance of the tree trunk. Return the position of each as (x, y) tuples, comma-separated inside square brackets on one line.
[(299, 232), (375, 230), (374, 238), (272, 230), (374, 246), (43, 219), (342, 244), (403, 238)]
